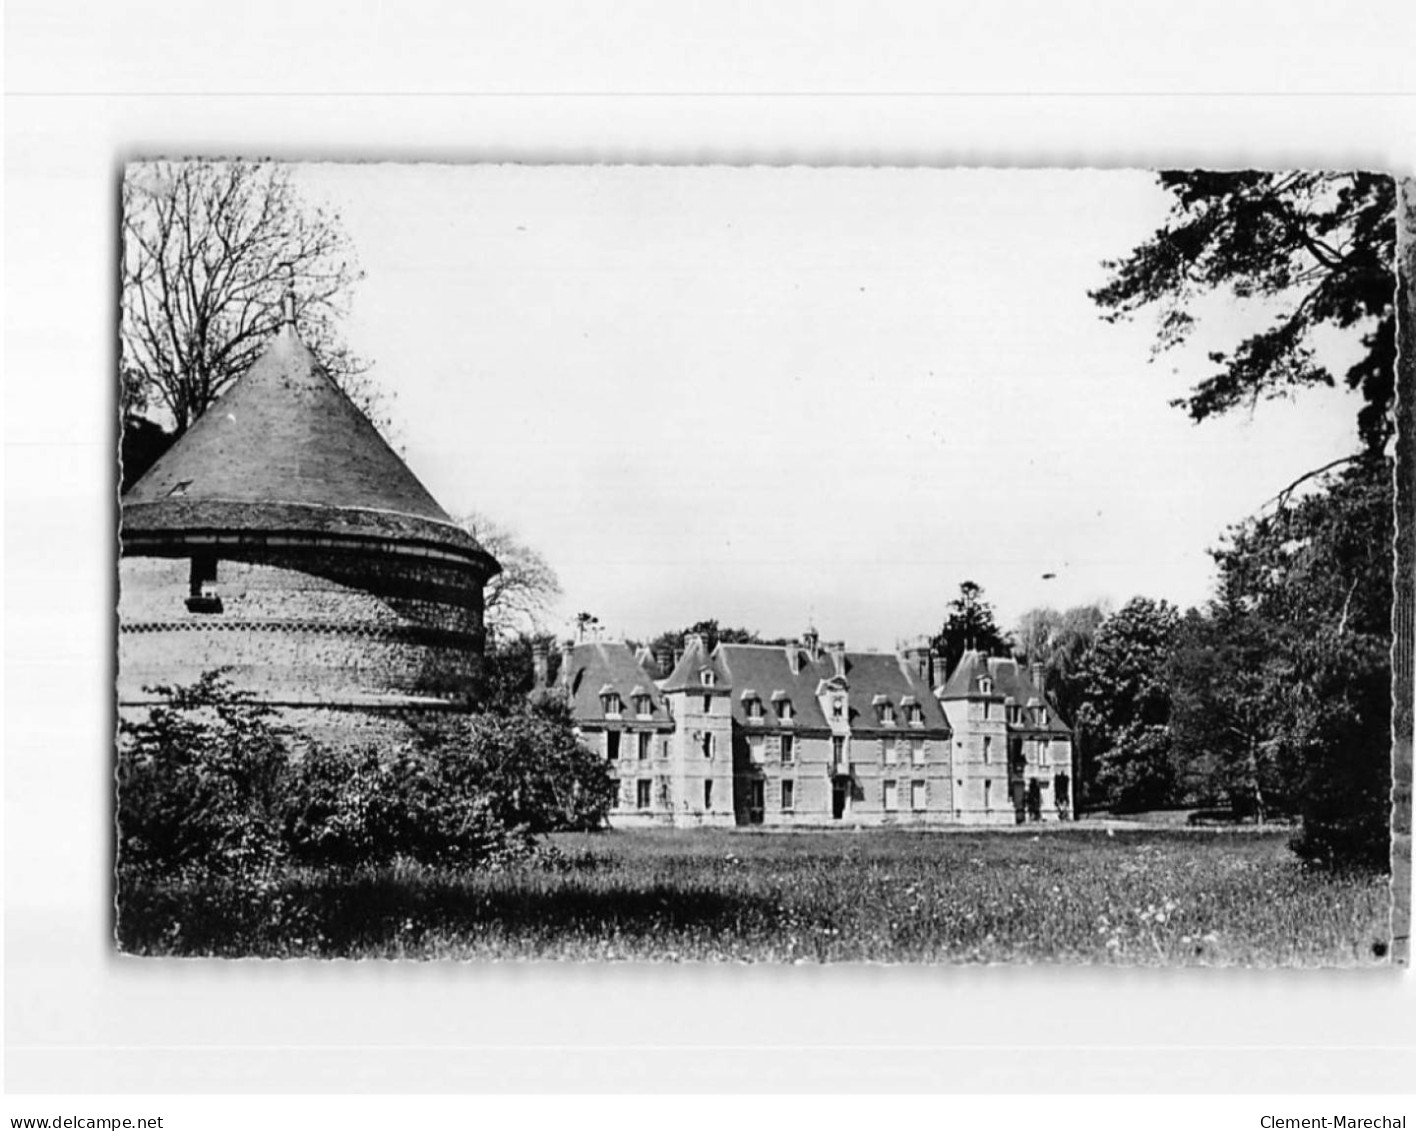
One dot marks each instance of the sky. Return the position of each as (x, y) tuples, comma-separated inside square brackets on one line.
[(777, 396)]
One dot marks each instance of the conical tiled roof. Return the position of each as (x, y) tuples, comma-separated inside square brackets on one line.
[(284, 449)]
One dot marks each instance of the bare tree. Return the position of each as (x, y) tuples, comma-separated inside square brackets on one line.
[(519, 597), (209, 251)]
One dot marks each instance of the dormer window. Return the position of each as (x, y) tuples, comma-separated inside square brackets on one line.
[(708, 677), (985, 685), (611, 703), (1042, 716), (838, 706), (643, 706), (915, 715), (783, 706), (887, 714), (754, 710)]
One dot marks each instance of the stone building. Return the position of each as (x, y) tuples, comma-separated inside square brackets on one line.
[(813, 734), (282, 539), (1013, 753)]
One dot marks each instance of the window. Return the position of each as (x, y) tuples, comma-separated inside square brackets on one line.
[(643, 706), (787, 752), (788, 794), (987, 749), (985, 685), (645, 738), (754, 710), (785, 711), (838, 749), (987, 796), (756, 747), (887, 714), (917, 751), (708, 795), (916, 715), (708, 744), (611, 703), (1015, 715), (892, 796), (664, 750), (917, 795), (612, 744), (838, 707), (1044, 753), (615, 801), (707, 704), (986, 706), (1042, 716), (708, 677), (641, 796), (892, 752)]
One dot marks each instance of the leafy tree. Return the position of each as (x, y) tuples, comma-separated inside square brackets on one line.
[(1309, 577), (141, 445), (1228, 686), (970, 625), (508, 674), (210, 250), (1124, 716), (1059, 641), (1312, 580), (1316, 249), (518, 598)]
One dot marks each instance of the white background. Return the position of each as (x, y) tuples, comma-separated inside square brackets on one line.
[(1221, 84)]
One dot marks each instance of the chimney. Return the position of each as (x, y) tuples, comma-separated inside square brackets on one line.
[(1035, 670), (540, 665), (811, 641), (794, 658), (837, 648), (567, 651), (664, 658), (920, 655), (693, 640), (678, 656)]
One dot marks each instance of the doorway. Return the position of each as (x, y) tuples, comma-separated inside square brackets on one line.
[(756, 800), (840, 794)]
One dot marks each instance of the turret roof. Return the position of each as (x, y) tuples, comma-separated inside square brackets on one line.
[(284, 449)]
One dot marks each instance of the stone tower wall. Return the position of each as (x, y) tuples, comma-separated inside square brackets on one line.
[(297, 636)]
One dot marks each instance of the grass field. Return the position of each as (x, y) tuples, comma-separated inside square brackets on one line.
[(1066, 894)]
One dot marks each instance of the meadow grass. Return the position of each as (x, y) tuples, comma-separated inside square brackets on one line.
[(1073, 894)]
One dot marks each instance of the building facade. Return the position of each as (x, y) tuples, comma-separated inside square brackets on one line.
[(812, 734)]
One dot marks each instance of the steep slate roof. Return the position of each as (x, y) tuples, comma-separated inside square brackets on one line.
[(596, 666), (765, 669), (963, 680), (283, 449), (687, 673), (872, 674), (1010, 680)]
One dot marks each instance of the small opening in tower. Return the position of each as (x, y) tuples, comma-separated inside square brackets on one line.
[(202, 596)]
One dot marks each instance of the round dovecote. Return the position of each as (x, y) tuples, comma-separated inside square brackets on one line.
[(282, 539)]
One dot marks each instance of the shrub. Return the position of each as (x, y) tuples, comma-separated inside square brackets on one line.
[(201, 784), (208, 788), (529, 766), (350, 808)]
